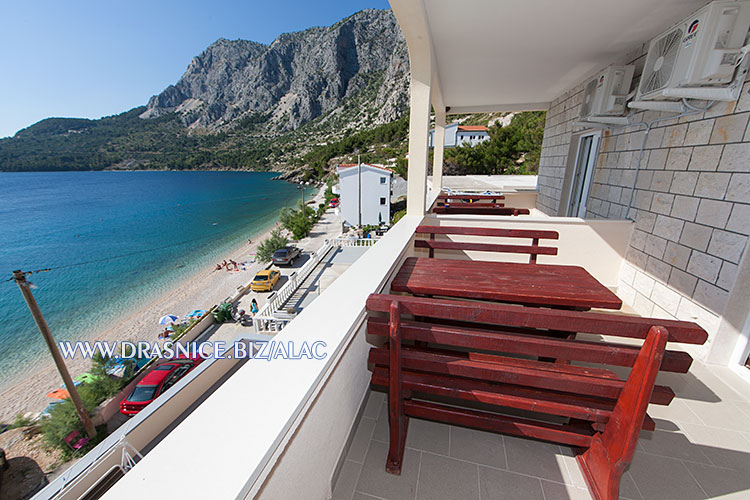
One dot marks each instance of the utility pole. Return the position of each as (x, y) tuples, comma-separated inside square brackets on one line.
[(359, 190), (23, 285), (302, 187)]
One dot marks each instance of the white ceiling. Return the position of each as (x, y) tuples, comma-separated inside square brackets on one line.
[(522, 54)]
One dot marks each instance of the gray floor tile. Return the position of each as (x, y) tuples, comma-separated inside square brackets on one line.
[(744, 407), (724, 415), (557, 491), (723, 447), (628, 489), (347, 480), (676, 411), (504, 485), (575, 476), (374, 404), (362, 496), (429, 436), (535, 458), (443, 478), (381, 427), (671, 444), (721, 483), (660, 478), (374, 480), (361, 440), (477, 446)]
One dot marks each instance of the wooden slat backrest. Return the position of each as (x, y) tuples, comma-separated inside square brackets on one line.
[(461, 197), (514, 342), (468, 209), (534, 249), (527, 317), (477, 205), (490, 231)]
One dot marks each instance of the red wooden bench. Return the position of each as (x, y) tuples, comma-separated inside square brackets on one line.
[(468, 198), (450, 350), (533, 250), (471, 209)]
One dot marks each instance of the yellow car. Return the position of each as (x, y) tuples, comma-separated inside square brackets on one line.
[(264, 281)]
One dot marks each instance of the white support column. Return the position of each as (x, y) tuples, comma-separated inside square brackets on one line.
[(438, 150), (419, 145)]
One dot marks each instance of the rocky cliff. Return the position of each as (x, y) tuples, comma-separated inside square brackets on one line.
[(299, 77)]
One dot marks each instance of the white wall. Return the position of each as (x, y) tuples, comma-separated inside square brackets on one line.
[(372, 191), (464, 138)]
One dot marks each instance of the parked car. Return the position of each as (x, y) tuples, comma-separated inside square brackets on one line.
[(265, 280), (333, 203), (285, 256), (156, 382)]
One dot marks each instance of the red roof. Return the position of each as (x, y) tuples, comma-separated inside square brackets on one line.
[(472, 128), (348, 165)]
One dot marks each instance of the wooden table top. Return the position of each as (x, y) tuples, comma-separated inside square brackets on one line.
[(529, 284)]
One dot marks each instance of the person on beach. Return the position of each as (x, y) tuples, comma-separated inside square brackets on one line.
[(254, 306)]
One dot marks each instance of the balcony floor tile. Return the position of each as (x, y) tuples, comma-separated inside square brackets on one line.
[(701, 449), (478, 447), (374, 480), (501, 485), (443, 478)]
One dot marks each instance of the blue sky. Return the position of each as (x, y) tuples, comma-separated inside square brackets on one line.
[(85, 58)]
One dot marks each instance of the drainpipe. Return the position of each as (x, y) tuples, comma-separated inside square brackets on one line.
[(688, 109)]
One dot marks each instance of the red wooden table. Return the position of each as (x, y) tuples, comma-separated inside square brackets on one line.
[(529, 284)]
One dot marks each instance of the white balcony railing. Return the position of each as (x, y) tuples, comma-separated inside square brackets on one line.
[(264, 319)]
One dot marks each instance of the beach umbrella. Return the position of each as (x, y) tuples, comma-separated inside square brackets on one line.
[(169, 318), (197, 312)]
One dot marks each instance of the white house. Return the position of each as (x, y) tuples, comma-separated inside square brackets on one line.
[(365, 194), (462, 135)]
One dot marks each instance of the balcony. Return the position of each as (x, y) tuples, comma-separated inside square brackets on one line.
[(314, 429)]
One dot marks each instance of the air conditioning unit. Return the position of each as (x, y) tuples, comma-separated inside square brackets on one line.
[(698, 57), (607, 93)]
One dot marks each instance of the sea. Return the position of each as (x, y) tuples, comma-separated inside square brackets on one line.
[(113, 242)]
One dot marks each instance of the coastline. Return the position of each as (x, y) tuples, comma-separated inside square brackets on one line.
[(199, 290)]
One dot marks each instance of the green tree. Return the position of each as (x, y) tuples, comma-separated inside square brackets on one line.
[(299, 222), (268, 246), (513, 149)]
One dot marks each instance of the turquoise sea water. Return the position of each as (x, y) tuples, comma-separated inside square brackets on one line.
[(163, 226)]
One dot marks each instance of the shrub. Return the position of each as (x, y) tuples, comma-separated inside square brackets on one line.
[(63, 419), (299, 222), (397, 216), (268, 246), (21, 421)]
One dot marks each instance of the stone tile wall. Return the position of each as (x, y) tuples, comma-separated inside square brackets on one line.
[(691, 201)]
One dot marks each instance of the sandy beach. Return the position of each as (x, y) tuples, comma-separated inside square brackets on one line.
[(205, 288)]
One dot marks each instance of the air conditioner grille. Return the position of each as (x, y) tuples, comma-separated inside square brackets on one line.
[(588, 98), (661, 61)]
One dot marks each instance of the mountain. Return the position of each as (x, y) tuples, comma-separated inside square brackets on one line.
[(241, 104), (300, 76)]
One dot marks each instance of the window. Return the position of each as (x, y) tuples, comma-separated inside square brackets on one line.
[(382, 201), (382, 180), (584, 166)]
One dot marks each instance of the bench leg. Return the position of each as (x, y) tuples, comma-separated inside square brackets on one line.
[(612, 450), (397, 420)]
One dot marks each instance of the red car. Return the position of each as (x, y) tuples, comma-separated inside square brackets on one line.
[(156, 382), (334, 203)]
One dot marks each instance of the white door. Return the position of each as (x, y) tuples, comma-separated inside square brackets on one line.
[(588, 146)]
